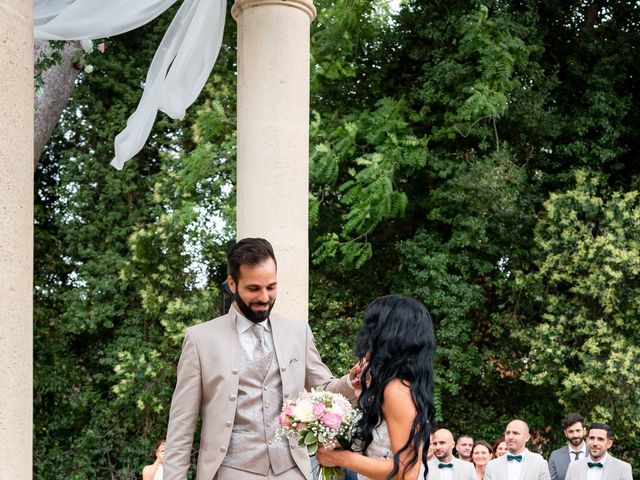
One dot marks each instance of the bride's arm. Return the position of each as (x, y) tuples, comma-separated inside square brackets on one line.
[(399, 412)]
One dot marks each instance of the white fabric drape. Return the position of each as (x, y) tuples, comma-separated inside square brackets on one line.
[(179, 68)]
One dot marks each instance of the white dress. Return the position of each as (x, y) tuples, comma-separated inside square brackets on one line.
[(380, 447), (158, 475)]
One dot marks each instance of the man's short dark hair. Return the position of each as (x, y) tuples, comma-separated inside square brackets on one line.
[(571, 419), (605, 427), (248, 251), (464, 435)]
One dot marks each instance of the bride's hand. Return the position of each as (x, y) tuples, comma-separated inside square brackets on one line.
[(329, 457)]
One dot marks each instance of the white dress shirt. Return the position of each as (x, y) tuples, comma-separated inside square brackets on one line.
[(247, 339), (583, 453), (514, 467), (445, 473), (595, 473)]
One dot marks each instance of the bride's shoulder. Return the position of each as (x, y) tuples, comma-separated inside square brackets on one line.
[(397, 396)]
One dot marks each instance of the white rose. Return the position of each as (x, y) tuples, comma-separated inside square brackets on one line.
[(303, 411), (88, 69), (87, 45)]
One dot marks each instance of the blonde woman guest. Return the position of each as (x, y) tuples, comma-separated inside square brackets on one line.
[(481, 453), (499, 447), (154, 471)]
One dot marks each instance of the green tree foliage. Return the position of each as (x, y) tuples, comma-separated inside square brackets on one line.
[(588, 288)]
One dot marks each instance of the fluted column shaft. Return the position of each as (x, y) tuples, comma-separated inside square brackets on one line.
[(16, 239), (273, 137)]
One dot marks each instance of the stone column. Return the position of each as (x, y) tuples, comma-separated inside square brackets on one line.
[(273, 137), (16, 238)]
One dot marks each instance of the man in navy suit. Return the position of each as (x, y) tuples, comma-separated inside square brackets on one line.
[(576, 448)]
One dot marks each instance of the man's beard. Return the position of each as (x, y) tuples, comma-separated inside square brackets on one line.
[(575, 441), (249, 314)]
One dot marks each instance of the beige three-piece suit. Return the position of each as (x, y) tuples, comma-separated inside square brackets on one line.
[(239, 404)]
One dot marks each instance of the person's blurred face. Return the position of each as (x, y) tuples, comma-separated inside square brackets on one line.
[(464, 447), (501, 449), (575, 434), (516, 436), (160, 451), (598, 443), (480, 455), (256, 289), (443, 445)]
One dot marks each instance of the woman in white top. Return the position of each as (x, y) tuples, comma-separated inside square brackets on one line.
[(397, 343), (154, 471)]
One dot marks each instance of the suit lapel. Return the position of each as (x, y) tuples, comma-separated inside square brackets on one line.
[(609, 469)]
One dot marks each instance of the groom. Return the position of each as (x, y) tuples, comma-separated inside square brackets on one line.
[(235, 370)]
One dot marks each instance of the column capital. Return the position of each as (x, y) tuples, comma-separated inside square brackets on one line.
[(305, 5)]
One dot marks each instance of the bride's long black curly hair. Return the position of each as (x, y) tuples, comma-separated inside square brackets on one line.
[(397, 335)]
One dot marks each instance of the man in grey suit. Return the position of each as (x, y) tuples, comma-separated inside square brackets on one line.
[(235, 371), (601, 465), (445, 466), (573, 426), (519, 463)]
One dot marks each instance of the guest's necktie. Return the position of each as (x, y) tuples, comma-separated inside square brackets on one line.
[(517, 458), (594, 464), (445, 465), (261, 353), (577, 454)]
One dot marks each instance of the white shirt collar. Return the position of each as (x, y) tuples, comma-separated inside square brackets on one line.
[(243, 323), (583, 449)]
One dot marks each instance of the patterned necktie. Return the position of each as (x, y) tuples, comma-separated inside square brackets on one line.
[(517, 458), (577, 454), (261, 353)]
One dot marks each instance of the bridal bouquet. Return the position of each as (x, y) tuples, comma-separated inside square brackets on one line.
[(318, 418)]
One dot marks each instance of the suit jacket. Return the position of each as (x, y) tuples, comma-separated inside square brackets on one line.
[(534, 467), (461, 470), (207, 383), (613, 469), (559, 462)]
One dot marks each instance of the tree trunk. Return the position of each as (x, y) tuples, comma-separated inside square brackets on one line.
[(50, 100)]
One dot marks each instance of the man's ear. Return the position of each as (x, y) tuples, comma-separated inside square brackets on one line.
[(232, 284)]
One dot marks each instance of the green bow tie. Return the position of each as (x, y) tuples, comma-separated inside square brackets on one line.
[(445, 465), (594, 464), (517, 458)]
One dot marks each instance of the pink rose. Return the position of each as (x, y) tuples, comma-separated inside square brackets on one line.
[(318, 410), (102, 47), (332, 420), (284, 420), (288, 410)]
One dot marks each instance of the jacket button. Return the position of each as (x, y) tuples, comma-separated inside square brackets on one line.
[(286, 395), (283, 369), (228, 423), (232, 398), (223, 449), (235, 371)]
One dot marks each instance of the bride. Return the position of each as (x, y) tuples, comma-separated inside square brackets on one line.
[(397, 343)]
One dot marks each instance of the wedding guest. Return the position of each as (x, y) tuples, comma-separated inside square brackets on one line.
[(601, 465), (499, 447), (398, 342), (576, 448), (154, 471), (481, 453), (519, 462), (430, 454), (445, 466), (464, 446)]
